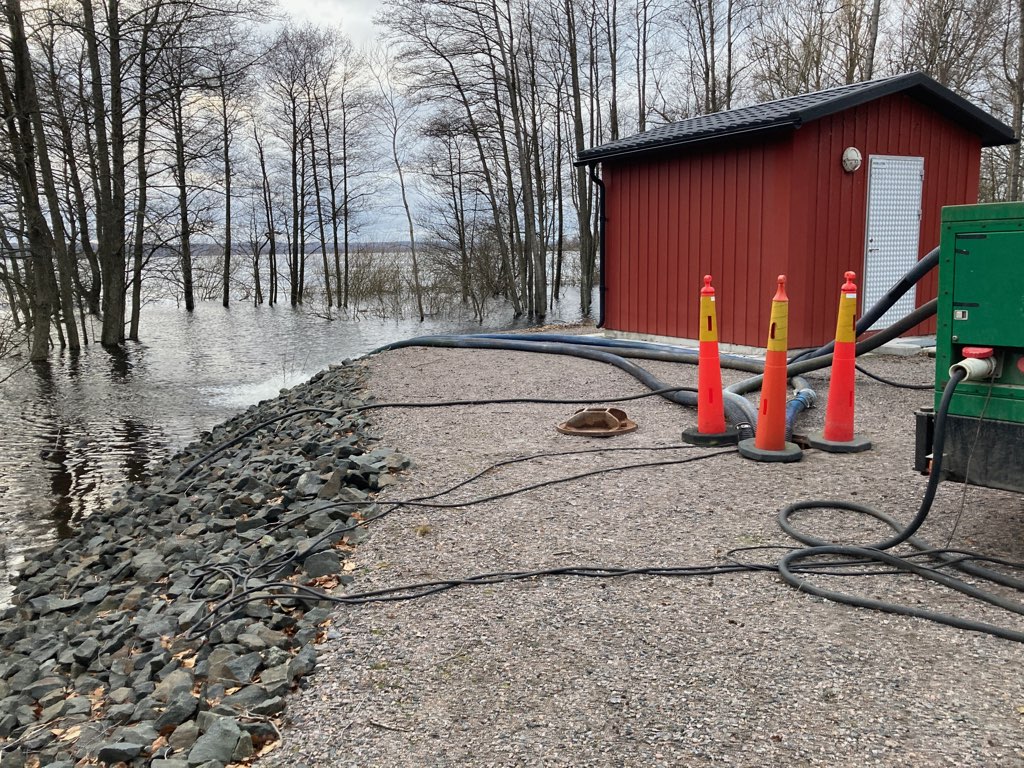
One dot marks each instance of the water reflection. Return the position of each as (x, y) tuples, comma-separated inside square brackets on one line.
[(75, 428)]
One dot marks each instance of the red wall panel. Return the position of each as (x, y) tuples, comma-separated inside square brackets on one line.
[(895, 125), (750, 211)]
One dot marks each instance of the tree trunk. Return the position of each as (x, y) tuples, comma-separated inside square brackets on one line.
[(322, 231), (226, 142), (412, 233), (1017, 106), (181, 177), (110, 169), (268, 209), (587, 255), (295, 204), (142, 174)]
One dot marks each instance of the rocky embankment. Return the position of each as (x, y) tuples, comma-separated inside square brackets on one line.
[(124, 645)]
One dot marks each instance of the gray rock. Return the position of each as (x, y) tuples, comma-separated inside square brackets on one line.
[(302, 663), (276, 680), (179, 708), (247, 699), (251, 641), (322, 564), (184, 736), (217, 744), (40, 688), (308, 484), (7, 725), (217, 663), (77, 705), (244, 749), (271, 706), (249, 524), (47, 604), (121, 696), (119, 752), (86, 651), (332, 487), (143, 733), (244, 667), (96, 594), (120, 713), (173, 683), (51, 712)]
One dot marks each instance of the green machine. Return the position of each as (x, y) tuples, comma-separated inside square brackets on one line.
[(980, 325)]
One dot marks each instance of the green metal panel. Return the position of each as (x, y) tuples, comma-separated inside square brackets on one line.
[(981, 303)]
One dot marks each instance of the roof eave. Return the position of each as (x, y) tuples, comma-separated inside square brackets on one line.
[(990, 130), (586, 158)]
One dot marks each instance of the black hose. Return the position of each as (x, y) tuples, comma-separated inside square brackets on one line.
[(737, 408), (871, 315), (236, 440), (786, 571), (877, 553), (245, 583), (435, 404), (239, 592), (938, 442), (823, 361), (890, 382)]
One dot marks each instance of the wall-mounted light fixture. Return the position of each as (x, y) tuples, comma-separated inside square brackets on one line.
[(851, 159)]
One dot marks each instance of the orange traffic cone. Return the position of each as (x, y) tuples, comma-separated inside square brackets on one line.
[(770, 442), (711, 427), (838, 436)]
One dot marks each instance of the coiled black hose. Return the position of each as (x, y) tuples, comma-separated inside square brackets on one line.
[(939, 439), (876, 553)]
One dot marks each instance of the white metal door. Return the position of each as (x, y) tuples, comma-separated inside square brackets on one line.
[(893, 230)]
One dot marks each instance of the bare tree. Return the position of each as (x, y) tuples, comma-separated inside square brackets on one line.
[(396, 115)]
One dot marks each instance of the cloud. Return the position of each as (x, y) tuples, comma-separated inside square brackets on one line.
[(354, 16)]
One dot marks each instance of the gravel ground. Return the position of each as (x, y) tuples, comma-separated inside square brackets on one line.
[(644, 671)]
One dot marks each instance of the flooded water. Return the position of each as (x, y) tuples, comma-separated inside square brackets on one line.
[(74, 429)]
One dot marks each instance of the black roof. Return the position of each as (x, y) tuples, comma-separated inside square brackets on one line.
[(791, 113)]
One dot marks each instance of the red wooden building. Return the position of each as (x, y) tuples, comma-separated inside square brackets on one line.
[(755, 192)]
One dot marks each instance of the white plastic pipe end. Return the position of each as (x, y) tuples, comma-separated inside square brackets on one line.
[(975, 368)]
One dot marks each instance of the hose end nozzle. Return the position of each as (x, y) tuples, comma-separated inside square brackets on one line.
[(978, 363)]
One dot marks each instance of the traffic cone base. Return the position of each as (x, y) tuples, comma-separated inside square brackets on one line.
[(788, 453), (694, 436), (856, 445)]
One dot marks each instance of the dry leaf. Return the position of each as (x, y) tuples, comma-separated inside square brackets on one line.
[(267, 748), (67, 734), (324, 582)]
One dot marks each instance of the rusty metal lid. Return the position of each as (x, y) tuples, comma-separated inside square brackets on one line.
[(597, 422)]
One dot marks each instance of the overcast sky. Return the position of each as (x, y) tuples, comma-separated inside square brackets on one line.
[(354, 16)]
